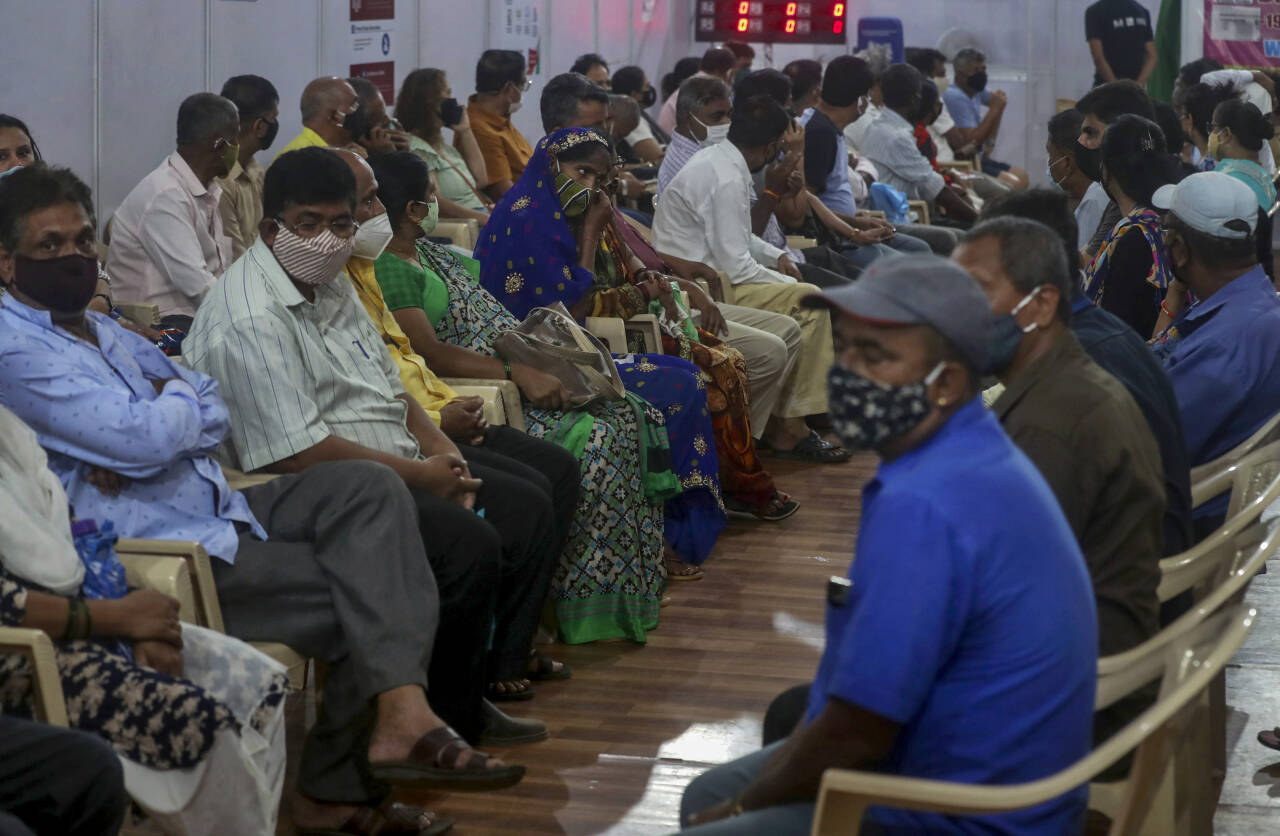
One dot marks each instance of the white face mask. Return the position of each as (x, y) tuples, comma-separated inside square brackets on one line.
[(372, 237), (716, 134), (942, 83), (1048, 169)]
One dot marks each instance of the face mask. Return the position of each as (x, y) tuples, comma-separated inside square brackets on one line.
[(868, 414), (372, 237), (357, 124), (1006, 336), (311, 261), (432, 220), (1089, 161), (230, 155), (942, 83), (716, 134), (1048, 169), (450, 112), (574, 197), (273, 128), (648, 98), (978, 82), (64, 285), (1215, 144)]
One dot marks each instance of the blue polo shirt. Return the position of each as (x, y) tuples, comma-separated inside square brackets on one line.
[(965, 110), (971, 623), (1223, 359)]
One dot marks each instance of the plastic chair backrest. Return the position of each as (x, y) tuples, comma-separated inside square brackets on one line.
[(1255, 484), (1191, 662), (1207, 480)]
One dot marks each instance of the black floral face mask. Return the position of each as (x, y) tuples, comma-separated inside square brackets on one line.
[(868, 414)]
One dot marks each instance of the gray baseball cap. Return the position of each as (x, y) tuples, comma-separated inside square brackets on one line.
[(917, 290)]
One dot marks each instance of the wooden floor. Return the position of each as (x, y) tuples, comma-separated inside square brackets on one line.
[(635, 724)]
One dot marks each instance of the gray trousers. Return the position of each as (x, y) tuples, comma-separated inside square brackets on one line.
[(724, 782), (940, 239), (343, 579)]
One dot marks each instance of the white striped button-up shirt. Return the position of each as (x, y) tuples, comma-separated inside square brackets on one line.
[(294, 372)]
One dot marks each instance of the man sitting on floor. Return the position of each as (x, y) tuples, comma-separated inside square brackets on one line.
[(286, 314), (1222, 353), (167, 241), (967, 607), (1080, 428), (131, 434)]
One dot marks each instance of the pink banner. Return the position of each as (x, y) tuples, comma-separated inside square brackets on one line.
[(1242, 33)]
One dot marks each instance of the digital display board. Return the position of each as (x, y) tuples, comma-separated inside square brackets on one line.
[(771, 21)]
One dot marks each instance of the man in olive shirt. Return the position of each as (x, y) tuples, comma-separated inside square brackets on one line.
[(1079, 426)]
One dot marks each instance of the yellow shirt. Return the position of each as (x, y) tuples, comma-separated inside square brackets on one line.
[(307, 139), (419, 381), (241, 205)]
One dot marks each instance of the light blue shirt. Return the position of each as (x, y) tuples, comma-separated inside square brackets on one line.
[(97, 408), (965, 110)]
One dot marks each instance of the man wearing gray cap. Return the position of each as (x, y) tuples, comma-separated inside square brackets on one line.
[(1082, 430), (962, 645), (1222, 353)]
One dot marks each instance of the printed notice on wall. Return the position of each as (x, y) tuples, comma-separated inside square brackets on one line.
[(382, 74), (518, 28), (373, 9), (1242, 33)]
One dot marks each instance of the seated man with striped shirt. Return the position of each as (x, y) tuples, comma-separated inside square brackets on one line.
[(308, 381)]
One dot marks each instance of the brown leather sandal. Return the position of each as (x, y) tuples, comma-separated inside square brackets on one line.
[(397, 819), (427, 766)]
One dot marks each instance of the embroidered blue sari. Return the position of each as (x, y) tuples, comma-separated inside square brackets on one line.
[(529, 258)]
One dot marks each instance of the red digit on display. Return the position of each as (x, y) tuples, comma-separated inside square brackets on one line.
[(742, 24), (791, 26), (791, 10), (743, 8), (837, 27), (838, 11)]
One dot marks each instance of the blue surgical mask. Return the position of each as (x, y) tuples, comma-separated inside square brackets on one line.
[(1006, 336)]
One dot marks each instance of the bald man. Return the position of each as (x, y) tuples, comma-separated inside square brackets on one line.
[(326, 104)]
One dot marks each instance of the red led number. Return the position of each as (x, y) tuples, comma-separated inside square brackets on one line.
[(791, 26), (791, 10), (742, 24), (838, 11), (837, 27), (743, 7)]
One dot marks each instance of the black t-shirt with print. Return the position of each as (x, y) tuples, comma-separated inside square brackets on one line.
[(1124, 27)]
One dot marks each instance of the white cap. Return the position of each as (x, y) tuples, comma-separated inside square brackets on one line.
[(1208, 201)]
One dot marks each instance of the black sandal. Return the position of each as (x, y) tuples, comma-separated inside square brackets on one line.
[(816, 449), (545, 669), (1270, 738), (777, 509), (425, 767)]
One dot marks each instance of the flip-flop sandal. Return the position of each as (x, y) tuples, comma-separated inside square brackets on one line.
[(494, 695), (1270, 739), (546, 669), (741, 510), (398, 819), (423, 768), (681, 574), (814, 448)]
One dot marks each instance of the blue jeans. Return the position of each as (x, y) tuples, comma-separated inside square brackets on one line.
[(901, 243), (724, 782)]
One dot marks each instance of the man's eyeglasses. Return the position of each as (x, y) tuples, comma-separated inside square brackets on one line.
[(526, 85), (341, 227)]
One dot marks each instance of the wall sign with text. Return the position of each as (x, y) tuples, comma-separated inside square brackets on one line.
[(1242, 33), (771, 21)]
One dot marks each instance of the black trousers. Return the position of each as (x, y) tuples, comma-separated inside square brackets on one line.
[(512, 538), (58, 781)]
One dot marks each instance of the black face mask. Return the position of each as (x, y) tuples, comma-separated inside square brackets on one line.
[(273, 128), (648, 97), (451, 112), (1089, 161), (357, 125), (64, 285), (978, 82)]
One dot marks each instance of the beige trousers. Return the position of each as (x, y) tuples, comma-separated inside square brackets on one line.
[(770, 343), (804, 392)]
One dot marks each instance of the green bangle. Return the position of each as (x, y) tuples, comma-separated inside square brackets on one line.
[(506, 367), (68, 632)]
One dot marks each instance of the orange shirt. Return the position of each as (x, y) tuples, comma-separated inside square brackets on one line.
[(506, 151)]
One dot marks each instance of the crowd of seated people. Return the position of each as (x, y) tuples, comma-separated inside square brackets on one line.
[(311, 318)]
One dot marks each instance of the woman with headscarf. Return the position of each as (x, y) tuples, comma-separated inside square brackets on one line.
[(1131, 271), (553, 238), (196, 717), (609, 581)]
